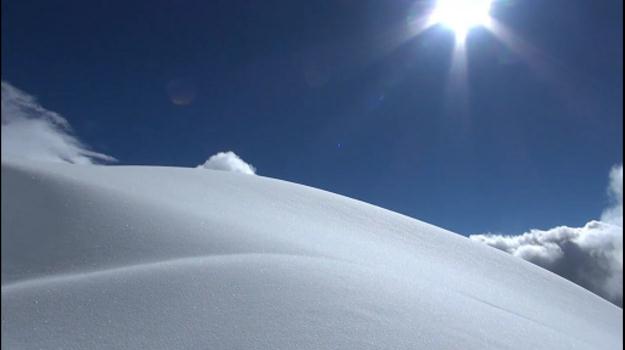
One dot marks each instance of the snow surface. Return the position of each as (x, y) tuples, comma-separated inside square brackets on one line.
[(129, 257)]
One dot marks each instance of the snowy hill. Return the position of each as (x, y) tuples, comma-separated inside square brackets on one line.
[(116, 257)]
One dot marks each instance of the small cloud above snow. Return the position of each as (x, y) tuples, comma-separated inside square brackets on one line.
[(29, 131), (228, 161)]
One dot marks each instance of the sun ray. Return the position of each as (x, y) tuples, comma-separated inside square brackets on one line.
[(532, 56), (545, 67), (457, 90)]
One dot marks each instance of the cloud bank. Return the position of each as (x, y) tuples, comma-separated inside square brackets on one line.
[(591, 256), (228, 161), (29, 131)]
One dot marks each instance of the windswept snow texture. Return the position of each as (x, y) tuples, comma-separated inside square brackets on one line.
[(118, 257)]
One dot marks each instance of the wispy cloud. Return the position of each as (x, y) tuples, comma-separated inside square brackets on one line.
[(614, 214), (228, 161), (29, 131), (591, 256)]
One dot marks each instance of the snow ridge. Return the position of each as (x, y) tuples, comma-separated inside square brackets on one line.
[(118, 257)]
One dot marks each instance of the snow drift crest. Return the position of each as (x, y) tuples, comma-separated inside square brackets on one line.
[(174, 258)]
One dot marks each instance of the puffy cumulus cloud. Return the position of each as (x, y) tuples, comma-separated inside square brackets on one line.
[(228, 161), (29, 131), (591, 256)]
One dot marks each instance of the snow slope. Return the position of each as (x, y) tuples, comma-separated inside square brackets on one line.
[(118, 257)]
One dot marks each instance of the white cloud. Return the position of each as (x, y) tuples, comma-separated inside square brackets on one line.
[(228, 161), (591, 256), (29, 131)]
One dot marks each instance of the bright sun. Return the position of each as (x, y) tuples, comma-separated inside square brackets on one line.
[(461, 15)]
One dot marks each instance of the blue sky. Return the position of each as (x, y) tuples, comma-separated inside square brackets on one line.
[(306, 91)]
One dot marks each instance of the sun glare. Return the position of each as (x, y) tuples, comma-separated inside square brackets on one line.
[(461, 15)]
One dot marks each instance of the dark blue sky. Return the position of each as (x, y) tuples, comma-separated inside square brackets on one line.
[(306, 92)]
